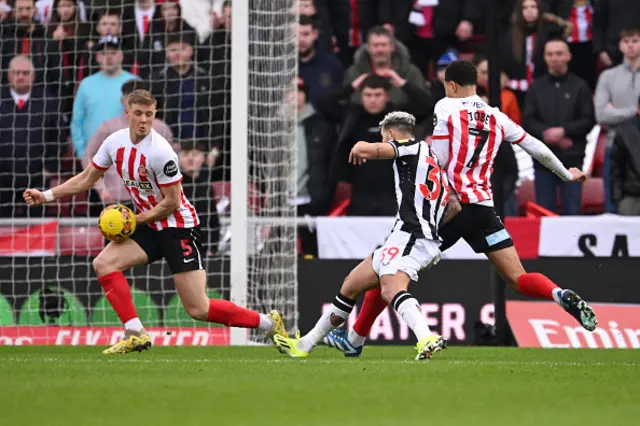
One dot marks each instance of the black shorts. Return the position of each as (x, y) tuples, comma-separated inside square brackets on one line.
[(181, 247), (479, 226)]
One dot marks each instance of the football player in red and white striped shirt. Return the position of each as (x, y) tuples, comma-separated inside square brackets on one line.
[(466, 137), (167, 227)]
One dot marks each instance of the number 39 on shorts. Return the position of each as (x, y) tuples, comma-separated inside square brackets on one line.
[(388, 254)]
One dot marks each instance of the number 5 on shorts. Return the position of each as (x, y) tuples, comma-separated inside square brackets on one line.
[(392, 252), (186, 248)]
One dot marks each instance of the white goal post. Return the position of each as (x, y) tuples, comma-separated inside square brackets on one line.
[(256, 262)]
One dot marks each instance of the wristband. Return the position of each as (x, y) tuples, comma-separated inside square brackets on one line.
[(48, 195)]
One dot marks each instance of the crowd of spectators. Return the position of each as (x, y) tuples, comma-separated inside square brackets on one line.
[(66, 66)]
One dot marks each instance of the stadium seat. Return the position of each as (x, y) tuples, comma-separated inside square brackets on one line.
[(341, 199), (176, 316), (593, 196), (6, 312), (598, 158), (525, 193), (74, 313), (103, 314), (80, 240)]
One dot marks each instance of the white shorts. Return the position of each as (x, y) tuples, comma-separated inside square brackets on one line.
[(403, 252)]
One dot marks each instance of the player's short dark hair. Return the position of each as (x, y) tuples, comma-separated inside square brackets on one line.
[(132, 85), (226, 3), (141, 97), (463, 73), (629, 32), (375, 81), (399, 120), (307, 20), (379, 30)]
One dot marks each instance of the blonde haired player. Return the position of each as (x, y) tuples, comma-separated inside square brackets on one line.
[(168, 227)]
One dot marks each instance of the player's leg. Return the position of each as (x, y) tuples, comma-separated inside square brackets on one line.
[(109, 264), (488, 235), (373, 304), (359, 280), (534, 284), (395, 277), (182, 249), (191, 287)]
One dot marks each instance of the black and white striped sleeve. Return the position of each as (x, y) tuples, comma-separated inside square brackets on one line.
[(404, 148)]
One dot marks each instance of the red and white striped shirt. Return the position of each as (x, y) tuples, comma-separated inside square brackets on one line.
[(466, 137), (581, 17), (145, 168)]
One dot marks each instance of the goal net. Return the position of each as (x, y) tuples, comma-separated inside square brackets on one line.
[(65, 65)]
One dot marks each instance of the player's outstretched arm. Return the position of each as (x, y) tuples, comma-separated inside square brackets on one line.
[(77, 184), (170, 203), (538, 150), (363, 151)]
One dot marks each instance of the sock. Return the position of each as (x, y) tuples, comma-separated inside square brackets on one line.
[(372, 306), (117, 291), (409, 309), (133, 324), (229, 314), (266, 323), (334, 317), (534, 284), (355, 339)]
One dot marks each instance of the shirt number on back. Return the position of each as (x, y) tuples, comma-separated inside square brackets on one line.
[(483, 135), (434, 177)]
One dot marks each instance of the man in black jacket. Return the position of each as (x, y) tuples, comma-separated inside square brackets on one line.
[(625, 167), (186, 99), (30, 137), (559, 111), (315, 140), (24, 36), (372, 190), (609, 18)]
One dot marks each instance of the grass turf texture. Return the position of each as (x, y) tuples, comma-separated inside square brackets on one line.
[(258, 386)]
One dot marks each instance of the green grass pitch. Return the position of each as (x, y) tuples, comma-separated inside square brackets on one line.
[(257, 386)]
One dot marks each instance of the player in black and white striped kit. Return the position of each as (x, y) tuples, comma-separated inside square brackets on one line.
[(422, 192)]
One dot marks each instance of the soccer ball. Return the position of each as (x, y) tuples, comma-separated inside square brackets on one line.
[(117, 222)]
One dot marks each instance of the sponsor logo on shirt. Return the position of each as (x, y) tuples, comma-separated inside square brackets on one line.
[(145, 186)]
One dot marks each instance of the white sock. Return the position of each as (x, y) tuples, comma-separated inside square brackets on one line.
[(133, 324), (409, 309), (355, 339), (266, 323), (335, 316), (556, 295)]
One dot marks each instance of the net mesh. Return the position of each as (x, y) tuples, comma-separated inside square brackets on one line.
[(50, 128)]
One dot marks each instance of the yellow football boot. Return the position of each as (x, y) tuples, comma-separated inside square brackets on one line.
[(132, 341), (429, 345), (278, 325)]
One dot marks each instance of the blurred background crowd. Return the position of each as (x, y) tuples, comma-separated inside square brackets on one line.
[(567, 66)]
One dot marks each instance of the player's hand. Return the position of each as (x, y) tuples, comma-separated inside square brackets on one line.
[(355, 156), (33, 197), (358, 82), (577, 175), (396, 80)]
